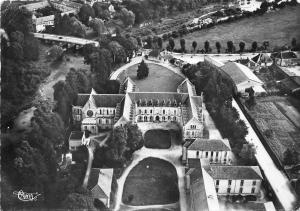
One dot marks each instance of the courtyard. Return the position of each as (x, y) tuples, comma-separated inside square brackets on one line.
[(159, 139), (153, 181), (165, 79)]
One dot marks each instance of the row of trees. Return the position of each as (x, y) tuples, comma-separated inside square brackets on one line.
[(232, 14), (230, 47), (218, 90)]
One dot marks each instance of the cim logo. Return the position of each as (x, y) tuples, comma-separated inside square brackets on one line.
[(23, 196)]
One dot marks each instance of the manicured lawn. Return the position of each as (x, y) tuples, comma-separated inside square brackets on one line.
[(160, 79), (158, 139), (152, 181), (277, 27)]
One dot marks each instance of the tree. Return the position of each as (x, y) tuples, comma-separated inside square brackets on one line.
[(264, 7), (98, 26), (79, 201), (14, 19), (230, 46), (266, 44), (247, 154), (55, 53), (100, 11), (218, 46), (290, 157), (242, 47), (194, 45), (254, 46), (127, 17), (171, 43), (118, 143), (206, 46), (118, 52), (78, 29), (294, 43), (135, 139), (85, 12), (149, 41), (182, 45), (159, 42), (143, 70)]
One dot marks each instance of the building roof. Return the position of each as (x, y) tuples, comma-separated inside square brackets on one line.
[(210, 145), (76, 135), (240, 73), (235, 172), (198, 199), (101, 100), (158, 98), (100, 181), (187, 87)]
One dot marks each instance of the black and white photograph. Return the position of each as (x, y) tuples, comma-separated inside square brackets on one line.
[(150, 105)]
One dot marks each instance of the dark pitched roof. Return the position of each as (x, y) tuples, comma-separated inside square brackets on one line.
[(288, 55), (235, 172), (198, 199), (82, 99), (239, 73), (108, 100), (101, 100), (76, 135), (209, 145), (100, 182), (161, 96), (194, 163)]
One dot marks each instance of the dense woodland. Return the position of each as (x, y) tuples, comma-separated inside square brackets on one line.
[(31, 159)]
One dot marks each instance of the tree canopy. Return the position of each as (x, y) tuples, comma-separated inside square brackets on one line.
[(143, 70)]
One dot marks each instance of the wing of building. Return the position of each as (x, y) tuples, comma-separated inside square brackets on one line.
[(94, 112)]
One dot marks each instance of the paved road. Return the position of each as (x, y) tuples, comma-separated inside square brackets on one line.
[(277, 179), (67, 39), (136, 60), (195, 58)]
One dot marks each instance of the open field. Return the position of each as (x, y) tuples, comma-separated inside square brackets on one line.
[(277, 27), (160, 79), (152, 181), (274, 118), (158, 139)]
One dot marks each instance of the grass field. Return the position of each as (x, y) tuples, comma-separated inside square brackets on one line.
[(160, 79), (278, 27), (152, 181), (273, 120), (158, 139)]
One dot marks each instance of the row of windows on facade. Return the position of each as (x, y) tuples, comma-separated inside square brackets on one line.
[(240, 191), (157, 103), (164, 111), (230, 182), (151, 119), (211, 154), (101, 111)]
